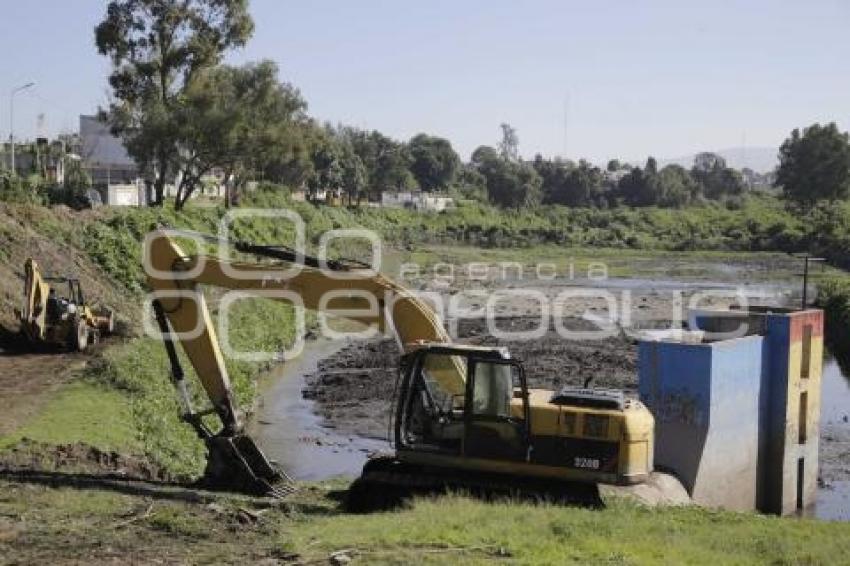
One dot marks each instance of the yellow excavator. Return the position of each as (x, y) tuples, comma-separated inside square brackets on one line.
[(463, 414), (65, 320)]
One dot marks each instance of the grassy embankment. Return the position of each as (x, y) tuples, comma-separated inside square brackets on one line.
[(124, 402), (107, 526)]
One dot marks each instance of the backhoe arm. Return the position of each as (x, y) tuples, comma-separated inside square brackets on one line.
[(34, 309), (175, 278)]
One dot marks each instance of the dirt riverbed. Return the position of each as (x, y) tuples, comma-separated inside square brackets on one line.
[(354, 388)]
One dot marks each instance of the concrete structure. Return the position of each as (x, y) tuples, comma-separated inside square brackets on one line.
[(793, 411), (104, 156), (400, 199), (737, 414), (416, 200), (124, 195), (35, 158)]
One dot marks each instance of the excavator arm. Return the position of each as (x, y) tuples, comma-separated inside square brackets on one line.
[(182, 314), (34, 309)]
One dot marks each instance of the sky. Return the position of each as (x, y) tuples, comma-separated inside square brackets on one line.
[(582, 79)]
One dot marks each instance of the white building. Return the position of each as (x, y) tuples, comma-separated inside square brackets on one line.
[(416, 200)]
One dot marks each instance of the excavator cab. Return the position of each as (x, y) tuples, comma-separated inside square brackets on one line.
[(488, 418)]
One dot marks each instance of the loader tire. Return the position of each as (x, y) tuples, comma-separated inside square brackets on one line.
[(80, 336)]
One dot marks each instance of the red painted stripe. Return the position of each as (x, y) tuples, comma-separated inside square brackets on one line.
[(800, 320)]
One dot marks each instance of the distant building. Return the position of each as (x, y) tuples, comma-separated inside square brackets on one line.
[(401, 199), (35, 159), (416, 200), (104, 156)]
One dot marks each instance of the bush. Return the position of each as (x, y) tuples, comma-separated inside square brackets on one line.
[(834, 299), (17, 189)]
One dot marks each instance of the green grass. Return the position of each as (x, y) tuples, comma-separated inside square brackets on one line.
[(310, 527), (457, 529), (82, 411), (139, 371)]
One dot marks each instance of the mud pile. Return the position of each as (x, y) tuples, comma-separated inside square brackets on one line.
[(76, 458), (354, 389)]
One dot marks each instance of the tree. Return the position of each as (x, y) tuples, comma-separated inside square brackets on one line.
[(294, 166), (483, 154), (569, 184), (513, 185), (471, 183), (386, 161), (509, 183), (674, 187), (706, 162), (635, 188), (613, 165), (509, 145), (392, 166), (815, 165), (157, 48), (434, 162), (354, 175), (715, 178), (327, 167), (237, 119)]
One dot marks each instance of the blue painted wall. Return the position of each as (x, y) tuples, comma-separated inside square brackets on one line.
[(705, 399)]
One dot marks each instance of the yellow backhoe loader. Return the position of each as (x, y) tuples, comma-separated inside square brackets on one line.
[(463, 414), (66, 320)]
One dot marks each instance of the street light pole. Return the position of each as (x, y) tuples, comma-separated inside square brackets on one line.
[(805, 275), (12, 120)]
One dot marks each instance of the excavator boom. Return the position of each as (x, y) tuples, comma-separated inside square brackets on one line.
[(181, 311)]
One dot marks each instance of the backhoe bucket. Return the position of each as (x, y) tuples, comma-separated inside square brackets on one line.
[(235, 462)]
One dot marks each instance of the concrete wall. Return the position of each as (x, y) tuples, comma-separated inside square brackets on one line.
[(792, 417), (737, 420), (124, 195), (705, 401)]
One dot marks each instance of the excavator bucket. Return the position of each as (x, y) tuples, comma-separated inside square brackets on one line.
[(236, 463)]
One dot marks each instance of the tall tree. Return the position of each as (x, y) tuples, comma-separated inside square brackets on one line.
[(483, 154), (236, 119), (157, 47), (635, 188), (327, 166), (509, 184), (355, 179), (716, 179), (387, 161), (674, 187), (434, 162), (509, 144), (815, 165)]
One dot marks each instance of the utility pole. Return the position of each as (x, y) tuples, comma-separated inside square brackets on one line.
[(12, 120), (805, 275)]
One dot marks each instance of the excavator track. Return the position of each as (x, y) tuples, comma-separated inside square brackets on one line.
[(387, 483)]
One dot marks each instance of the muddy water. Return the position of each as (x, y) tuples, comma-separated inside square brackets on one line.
[(292, 434), (834, 495)]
